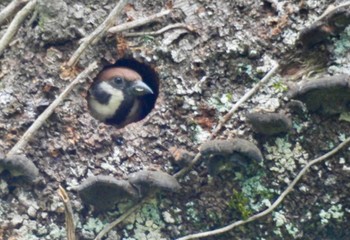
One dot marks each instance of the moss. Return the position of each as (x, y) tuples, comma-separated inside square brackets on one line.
[(239, 203), (42, 21), (259, 196), (280, 86)]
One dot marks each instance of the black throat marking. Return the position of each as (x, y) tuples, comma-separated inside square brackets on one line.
[(123, 111), (101, 95)]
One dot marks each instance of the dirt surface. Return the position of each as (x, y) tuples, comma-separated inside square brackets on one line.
[(202, 73)]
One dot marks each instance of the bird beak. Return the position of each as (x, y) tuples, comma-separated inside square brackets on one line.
[(139, 88)]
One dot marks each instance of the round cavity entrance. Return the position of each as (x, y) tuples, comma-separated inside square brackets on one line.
[(123, 93)]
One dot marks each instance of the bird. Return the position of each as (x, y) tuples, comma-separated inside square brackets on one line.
[(115, 97)]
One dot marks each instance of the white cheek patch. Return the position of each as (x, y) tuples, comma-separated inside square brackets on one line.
[(104, 111)]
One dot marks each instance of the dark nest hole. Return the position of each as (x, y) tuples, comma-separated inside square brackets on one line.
[(149, 76)]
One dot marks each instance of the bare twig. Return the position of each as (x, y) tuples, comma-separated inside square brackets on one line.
[(275, 204), (331, 10), (48, 111), (10, 10), (15, 24), (222, 122), (138, 22), (98, 33), (110, 226), (68, 211), (185, 170), (229, 115), (160, 31), (250, 93)]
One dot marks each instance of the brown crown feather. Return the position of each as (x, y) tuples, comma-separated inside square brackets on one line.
[(123, 72)]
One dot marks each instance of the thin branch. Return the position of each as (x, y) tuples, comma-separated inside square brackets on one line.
[(197, 158), (186, 169), (110, 226), (48, 111), (275, 204), (68, 211), (138, 22), (250, 93), (160, 31), (222, 122), (98, 33), (332, 10), (10, 10), (227, 117), (15, 24)]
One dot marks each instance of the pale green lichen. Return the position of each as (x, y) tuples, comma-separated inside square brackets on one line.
[(342, 45), (57, 232), (282, 222), (345, 116), (279, 218), (292, 230), (334, 212), (145, 224), (200, 135), (340, 53), (221, 102), (92, 226), (192, 213), (342, 137), (285, 156), (254, 189)]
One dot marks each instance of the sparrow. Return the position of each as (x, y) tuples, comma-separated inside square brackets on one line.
[(115, 97)]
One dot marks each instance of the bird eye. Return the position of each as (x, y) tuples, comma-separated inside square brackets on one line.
[(118, 80)]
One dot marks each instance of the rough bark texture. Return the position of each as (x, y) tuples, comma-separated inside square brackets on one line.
[(202, 73)]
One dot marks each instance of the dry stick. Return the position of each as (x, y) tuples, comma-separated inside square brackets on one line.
[(222, 123), (332, 10), (138, 22), (48, 111), (213, 135), (160, 31), (275, 204), (110, 226), (15, 24), (243, 99), (197, 157), (68, 212), (98, 33), (229, 115), (10, 10)]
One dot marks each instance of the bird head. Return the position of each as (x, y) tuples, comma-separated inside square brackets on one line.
[(124, 79), (115, 96)]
